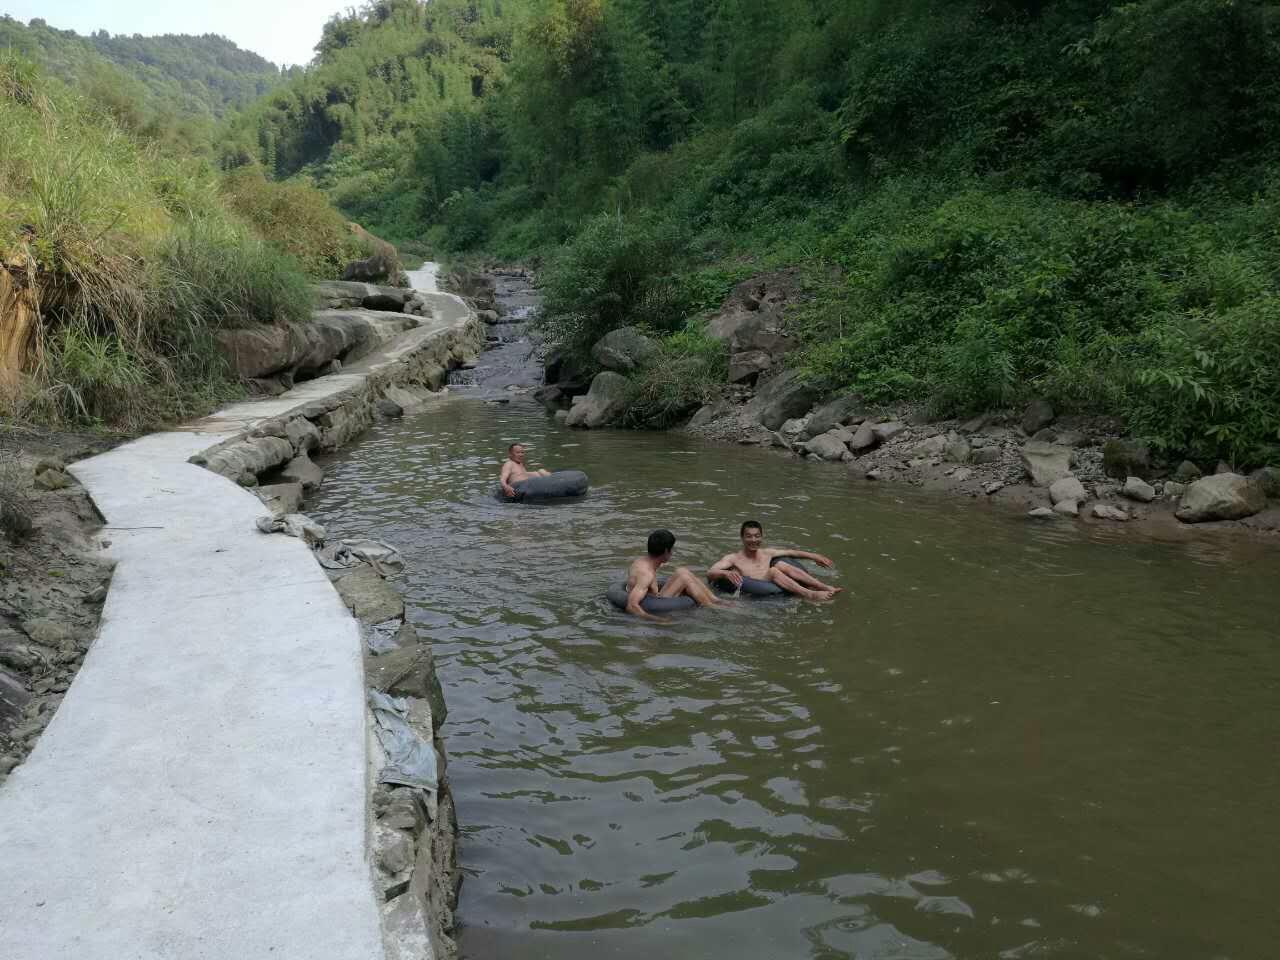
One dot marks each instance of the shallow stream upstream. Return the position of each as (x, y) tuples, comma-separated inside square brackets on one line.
[(1003, 740)]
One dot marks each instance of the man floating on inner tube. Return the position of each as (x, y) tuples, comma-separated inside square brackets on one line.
[(755, 562), (643, 586), (513, 471)]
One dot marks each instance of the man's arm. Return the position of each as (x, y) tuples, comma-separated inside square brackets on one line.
[(507, 488), (722, 569), (637, 595), (817, 558)]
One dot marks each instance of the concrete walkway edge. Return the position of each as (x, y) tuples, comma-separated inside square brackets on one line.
[(201, 791)]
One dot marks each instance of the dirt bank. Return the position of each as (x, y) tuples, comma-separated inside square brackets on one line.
[(53, 580)]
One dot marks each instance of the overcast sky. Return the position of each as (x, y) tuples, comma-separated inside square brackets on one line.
[(283, 31)]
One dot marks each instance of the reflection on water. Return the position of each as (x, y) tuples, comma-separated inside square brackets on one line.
[(1004, 740)]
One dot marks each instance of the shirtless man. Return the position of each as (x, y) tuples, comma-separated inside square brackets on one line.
[(642, 578), (513, 471), (755, 561)]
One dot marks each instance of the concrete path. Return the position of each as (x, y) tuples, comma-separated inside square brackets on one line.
[(201, 791)]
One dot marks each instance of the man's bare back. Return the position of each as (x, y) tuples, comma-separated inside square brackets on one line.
[(642, 578)]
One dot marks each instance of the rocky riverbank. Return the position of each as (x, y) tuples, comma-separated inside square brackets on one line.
[(1054, 468)]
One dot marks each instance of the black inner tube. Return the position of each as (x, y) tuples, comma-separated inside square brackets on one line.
[(561, 485), (617, 595), (751, 587)]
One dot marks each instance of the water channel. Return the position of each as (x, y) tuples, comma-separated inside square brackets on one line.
[(1003, 740)]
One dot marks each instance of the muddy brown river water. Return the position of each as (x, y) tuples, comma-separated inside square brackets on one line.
[(1003, 740)]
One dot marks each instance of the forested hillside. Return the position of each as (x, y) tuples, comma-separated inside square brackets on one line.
[(990, 199), (174, 87)]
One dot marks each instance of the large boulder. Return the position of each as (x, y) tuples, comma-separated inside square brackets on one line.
[(307, 348), (624, 350), (835, 413), (764, 296), (1039, 414), (1268, 478), (1067, 489), (888, 430), (603, 403), (779, 400), (1045, 462), (747, 366), (828, 446), (864, 439), (1223, 496), (1126, 458)]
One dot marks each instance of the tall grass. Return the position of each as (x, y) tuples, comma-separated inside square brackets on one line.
[(134, 258)]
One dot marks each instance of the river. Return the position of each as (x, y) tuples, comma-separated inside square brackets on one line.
[(1005, 739)]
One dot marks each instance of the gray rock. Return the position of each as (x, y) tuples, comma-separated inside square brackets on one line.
[(1068, 488), (302, 470), (1126, 458), (1268, 479), (931, 447), (975, 424), (49, 632), (562, 416), (985, 455), (603, 403), (52, 480), (843, 434), (874, 474), (995, 486), (958, 449), (1224, 496), (1067, 508), (1039, 414), (408, 671), (1137, 489), (389, 408), (826, 446), (1046, 435), (835, 413), (1223, 467), (1173, 489), (746, 367), (962, 474), (370, 597), (1187, 472), (712, 411), (624, 350), (1045, 462), (888, 430), (281, 498), (794, 428), (864, 439), (779, 399), (1105, 511), (1042, 513)]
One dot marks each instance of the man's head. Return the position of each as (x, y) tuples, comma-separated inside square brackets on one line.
[(661, 543), (516, 452), (752, 535)]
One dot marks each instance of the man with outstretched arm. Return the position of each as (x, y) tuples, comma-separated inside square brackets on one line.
[(642, 578), (513, 471), (756, 561)]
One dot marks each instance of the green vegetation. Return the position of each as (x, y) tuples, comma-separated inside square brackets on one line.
[(122, 260), (171, 89), (991, 201)]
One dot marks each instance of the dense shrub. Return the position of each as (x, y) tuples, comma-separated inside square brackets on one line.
[(296, 218), (615, 272), (688, 372)]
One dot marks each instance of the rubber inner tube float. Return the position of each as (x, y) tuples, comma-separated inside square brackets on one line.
[(561, 485), (617, 595), (751, 587)]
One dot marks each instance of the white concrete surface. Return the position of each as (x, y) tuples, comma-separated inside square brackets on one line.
[(200, 792)]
